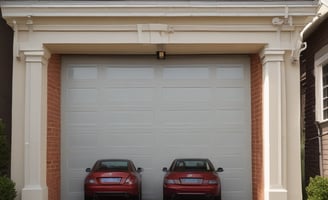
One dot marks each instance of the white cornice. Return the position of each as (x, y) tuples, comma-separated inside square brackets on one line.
[(107, 9), (149, 28)]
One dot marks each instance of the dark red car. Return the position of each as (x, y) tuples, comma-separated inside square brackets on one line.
[(192, 178), (114, 179)]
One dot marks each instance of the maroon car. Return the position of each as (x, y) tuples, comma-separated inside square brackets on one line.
[(192, 178), (114, 179)]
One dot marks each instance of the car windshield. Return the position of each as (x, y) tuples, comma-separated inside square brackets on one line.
[(192, 165), (112, 165)]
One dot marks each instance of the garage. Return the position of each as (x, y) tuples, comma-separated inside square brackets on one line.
[(152, 111)]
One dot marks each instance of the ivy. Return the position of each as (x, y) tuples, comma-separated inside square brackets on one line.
[(4, 151)]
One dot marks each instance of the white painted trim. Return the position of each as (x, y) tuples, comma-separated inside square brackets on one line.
[(151, 9), (274, 125), (35, 133), (150, 28), (321, 58)]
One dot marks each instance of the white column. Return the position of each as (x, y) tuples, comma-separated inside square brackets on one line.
[(274, 117), (35, 187)]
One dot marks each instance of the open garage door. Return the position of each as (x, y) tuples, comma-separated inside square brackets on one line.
[(152, 111)]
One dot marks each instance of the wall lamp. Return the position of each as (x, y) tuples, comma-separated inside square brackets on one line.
[(161, 55)]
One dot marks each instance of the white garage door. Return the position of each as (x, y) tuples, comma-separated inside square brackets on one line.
[(152, 111)]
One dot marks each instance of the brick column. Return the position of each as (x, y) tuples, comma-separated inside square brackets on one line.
[(53, 139), (35, 187)]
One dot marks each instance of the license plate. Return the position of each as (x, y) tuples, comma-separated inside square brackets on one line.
[(110, 180), (191, 181)]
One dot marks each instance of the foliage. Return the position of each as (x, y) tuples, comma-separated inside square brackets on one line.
[(317, 188), (7, 189), (4, 151)]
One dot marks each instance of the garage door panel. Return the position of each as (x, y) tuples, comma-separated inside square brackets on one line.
[(127, 95), (234, 173), (230, 96), (182, 150), (128, 117), (232, 184), (224, 138), (77, 159), (128, 139), (181, 139), (234, 195), (82, 72), (230, 72), (187, 118), (125, 151), (129, 73), (186, 73), (227, 151), (126, 130), (75, 185), (79, 118), (232, 160), (85, 140), (82, 97), (186, 94), (236, 117), (154, 113)]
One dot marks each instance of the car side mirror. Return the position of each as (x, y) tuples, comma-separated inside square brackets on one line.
[(164, 169), (139, 170), (88, 169), (220, 169)]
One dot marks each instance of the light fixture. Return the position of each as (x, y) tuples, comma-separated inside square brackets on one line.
[(161, 55)]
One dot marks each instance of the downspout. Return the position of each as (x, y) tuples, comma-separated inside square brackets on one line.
[(319, 131)]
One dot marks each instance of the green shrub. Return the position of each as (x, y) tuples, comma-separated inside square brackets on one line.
[(317, 188), (7, 189), (4, 151)]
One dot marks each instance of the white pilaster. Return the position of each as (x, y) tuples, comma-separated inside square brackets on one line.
[(35, 126), (274, 116)]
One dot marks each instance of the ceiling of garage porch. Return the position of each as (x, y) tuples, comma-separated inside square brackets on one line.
[(152, 48)]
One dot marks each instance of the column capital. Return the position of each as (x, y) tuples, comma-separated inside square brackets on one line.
[(272, 55), (36, 56)]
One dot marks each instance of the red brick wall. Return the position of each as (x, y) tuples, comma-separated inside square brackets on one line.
[(257, 143), (53, 138)]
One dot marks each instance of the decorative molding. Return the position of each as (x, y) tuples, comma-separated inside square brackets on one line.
[(150, 27), (272, 55), (151, 9), (17, 53), (37, 56), (29, 23)]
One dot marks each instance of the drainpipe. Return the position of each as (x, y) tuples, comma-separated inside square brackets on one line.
[(319, 129)]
